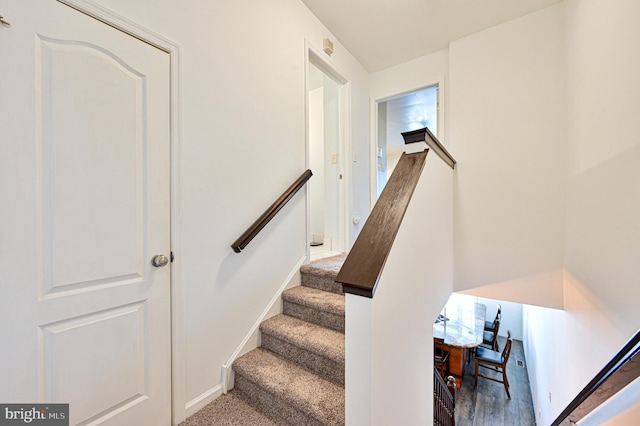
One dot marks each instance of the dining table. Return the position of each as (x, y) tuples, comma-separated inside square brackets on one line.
[(458, 329)]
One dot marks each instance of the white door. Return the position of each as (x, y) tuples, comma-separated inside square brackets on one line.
[(84, 207)]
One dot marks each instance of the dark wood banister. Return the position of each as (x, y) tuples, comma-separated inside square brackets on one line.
[(425, 135), (363, 266), (623, 368), (262, 221)]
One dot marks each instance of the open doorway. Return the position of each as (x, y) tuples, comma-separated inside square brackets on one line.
[(402, 113), (325, 147)]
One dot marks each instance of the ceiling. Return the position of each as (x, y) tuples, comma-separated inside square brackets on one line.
[(384, 33)]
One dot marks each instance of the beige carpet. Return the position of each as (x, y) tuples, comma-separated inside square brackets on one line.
[(296, 377), (229, 410), (330, 264)]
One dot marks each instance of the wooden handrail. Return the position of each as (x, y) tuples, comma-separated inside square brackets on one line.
[(262, 221), (425, 135), (623, 368), (363, 266)]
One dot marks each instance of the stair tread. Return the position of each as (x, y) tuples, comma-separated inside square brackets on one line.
[(330, 265), (320, 398), (326, 268), (310, 337), (321, 274), (231, 409), (317, 299)]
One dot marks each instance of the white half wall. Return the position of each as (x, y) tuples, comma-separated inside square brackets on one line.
[(389, 339)]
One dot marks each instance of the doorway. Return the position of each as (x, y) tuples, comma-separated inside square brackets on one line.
[(402, 113), (325, 148)]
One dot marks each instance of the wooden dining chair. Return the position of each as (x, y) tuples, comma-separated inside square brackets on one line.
[(490, 325), (490, 338), (440, 357), (496, 361)]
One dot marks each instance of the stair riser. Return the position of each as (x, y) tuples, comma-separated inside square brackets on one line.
[(322, 366), (322, 282), (272, 405), (315, 316)]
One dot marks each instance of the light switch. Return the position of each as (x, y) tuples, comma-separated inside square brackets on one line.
[(334, 158)]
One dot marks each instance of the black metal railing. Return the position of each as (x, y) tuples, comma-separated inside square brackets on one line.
[(444, 400)]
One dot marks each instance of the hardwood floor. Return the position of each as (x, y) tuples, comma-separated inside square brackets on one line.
[(488, 405)]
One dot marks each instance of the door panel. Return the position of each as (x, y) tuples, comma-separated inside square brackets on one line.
[(85, 157), (120, 373), (76, 180)]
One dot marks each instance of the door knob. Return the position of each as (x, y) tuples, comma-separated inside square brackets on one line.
[(159, 260)]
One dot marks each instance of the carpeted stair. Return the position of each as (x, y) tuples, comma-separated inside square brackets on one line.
[(296, 377)]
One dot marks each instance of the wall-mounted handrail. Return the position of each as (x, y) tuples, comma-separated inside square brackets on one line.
[(425, 135), (262, 221), (363, 266), (623, 368)]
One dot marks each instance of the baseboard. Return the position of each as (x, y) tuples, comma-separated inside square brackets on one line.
[(199, 402), (252, 339)]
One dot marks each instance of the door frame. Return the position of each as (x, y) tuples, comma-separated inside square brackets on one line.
[(373, 149), (178, 377), (320, 60)]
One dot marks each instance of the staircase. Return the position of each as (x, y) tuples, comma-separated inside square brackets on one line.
[(296, 377)]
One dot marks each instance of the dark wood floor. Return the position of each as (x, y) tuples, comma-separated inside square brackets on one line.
[(488, 403)]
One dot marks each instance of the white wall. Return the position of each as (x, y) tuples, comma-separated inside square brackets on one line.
[(511, 316), (507, 132), (603, 205), (524, 163), (409, 76), (243, 144)]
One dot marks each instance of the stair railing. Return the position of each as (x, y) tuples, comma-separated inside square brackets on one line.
[(444, 400), (425, 135), (364, 264), (262, 221), (621, 370), (404, 256)]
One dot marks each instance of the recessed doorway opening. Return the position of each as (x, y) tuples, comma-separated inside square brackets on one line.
[(327, 127), (402, 113)]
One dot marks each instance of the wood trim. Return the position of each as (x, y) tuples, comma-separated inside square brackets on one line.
[(623, 369), (425, 135), (363, 266), (257, 226)]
